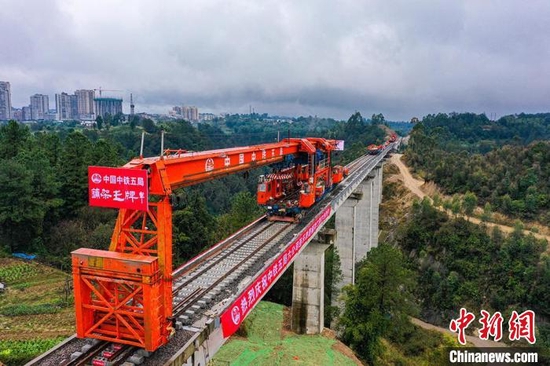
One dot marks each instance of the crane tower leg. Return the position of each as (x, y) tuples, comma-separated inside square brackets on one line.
[(125, 294)]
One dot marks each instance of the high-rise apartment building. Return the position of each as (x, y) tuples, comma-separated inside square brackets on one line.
[(5, 100), (85, 103), (176, 111), (40, 106), (67, 107), (107, 105), (26, 114), (17, 114), (190, 113)]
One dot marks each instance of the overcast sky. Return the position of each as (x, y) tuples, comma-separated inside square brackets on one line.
[(289, 57)]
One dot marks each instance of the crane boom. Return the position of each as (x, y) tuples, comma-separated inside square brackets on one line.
[(181, 168)]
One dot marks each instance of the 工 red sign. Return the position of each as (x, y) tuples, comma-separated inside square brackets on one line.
[(118, 187), (232, 318)]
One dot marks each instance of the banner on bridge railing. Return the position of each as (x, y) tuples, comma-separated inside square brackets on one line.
[(232, 318)]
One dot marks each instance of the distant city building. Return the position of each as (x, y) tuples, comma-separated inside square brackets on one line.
[(207, 116), (26, 114), (66, 106), (190, 113), (107, 105), (51, 115), (176, 111), (5, 100), (85, 104), (17, 114), (88, 124), (414, 120), (40, 106)]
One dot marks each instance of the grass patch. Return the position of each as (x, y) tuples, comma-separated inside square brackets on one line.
[(267, 344), (15, 353), (25, 309)]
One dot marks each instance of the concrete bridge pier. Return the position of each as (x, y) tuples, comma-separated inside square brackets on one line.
[(308, 288), (357, 227), (363, 226)]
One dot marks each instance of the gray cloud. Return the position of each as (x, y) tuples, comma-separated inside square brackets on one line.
[(400, 58)]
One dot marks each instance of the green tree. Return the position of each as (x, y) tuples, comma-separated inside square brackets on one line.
[(378, 118), (379, 301), (73, 171), (50, 146), (45, 185), (244, 210), (117, 119), (193, 228), (437, 200), (455, 208), (133, 122), (104, 153), (99, 122), (469, 203), (20, 212), (13, 138), (66, 236), (487, 212), (108, 120), (148, 125), (333, 276)]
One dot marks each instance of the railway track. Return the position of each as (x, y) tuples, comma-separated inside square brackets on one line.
[(196, 289), (104, 354)]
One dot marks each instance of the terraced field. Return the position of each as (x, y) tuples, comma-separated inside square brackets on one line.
[(36, 310)]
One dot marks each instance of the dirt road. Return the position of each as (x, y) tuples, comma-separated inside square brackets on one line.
[(471, 339), (414, 185)]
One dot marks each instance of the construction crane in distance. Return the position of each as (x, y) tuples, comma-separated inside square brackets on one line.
[(101, 90)]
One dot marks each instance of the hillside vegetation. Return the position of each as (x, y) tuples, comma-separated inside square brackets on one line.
[(505, 166), (505, 163)]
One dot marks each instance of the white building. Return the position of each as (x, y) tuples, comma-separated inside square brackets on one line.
[(40, 106), (66, 106), (85, 104)]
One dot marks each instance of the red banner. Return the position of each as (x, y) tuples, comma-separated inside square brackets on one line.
[(118, 188), (232, 318)]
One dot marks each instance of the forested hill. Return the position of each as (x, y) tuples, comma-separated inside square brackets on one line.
[(43, 178), (476, 133), (505, 163)]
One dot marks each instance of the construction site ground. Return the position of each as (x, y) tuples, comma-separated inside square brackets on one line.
[(269, 342)]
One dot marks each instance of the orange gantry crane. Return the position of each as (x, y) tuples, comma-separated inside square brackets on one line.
[(124, 295)]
